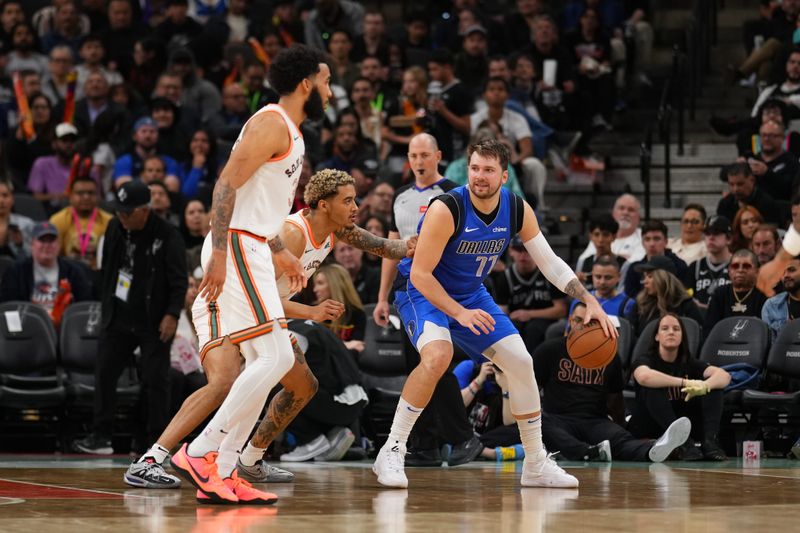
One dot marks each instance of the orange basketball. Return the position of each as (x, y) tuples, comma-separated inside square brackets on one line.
[(589, 347)]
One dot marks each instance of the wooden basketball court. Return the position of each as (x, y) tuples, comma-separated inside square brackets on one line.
[(43, 493)]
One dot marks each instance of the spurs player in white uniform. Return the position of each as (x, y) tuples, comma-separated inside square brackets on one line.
[(239, 303), (310, 236)]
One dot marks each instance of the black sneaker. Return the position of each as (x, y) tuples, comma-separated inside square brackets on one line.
[(712, 450), (464, 452), (689, 452), (93, 444), (431, 457)]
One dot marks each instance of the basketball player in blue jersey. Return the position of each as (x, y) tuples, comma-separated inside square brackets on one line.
[(442, 298)]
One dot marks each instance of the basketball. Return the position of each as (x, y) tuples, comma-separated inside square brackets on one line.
[(590, 348)]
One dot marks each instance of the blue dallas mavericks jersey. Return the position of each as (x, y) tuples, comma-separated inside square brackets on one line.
[(474, 248)]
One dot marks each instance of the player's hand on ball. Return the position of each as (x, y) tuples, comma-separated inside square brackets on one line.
[(411, 245), (476, 320), (292, 269), (693, 388), (327, 310), (213, 276), (595, 312), (381, 314)]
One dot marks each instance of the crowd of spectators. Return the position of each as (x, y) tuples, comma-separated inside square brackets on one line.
[(118, 118)]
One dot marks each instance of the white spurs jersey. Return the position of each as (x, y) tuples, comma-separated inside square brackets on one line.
[(313, 253), (263, 202)]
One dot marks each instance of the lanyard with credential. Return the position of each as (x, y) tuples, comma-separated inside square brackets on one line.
[(84, 238)]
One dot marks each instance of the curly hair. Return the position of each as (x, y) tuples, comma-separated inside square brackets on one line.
[(292, 65), (324, 184)]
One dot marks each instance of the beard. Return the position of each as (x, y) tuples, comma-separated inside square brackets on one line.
[(313, 108), (483, 196)]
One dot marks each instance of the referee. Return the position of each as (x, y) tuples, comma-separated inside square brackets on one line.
[(444, 420)]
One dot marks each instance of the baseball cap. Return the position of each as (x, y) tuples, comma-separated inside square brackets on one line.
[(66, 129), (657, 262), (131, 195), (517, 243), (368, 165), (43, 229), (144, 121), (475, 28), (717, 224)]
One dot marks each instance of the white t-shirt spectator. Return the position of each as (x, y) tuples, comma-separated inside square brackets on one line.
[(514, 125)]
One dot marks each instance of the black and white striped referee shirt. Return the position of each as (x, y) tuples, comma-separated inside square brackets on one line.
[(411, 202)]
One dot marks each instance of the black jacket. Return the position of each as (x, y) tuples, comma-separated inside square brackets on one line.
[(332, 364), (17, 284), (772, 212), (165, 256)]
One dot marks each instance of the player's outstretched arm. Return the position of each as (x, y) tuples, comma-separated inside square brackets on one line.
[(559, 273), (360, 238), (249, 154), (436, 229), (770, 273)]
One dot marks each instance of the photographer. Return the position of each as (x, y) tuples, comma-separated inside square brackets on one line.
[(484, 389)]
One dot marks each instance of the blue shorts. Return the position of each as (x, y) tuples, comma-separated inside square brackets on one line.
[(416, 311)]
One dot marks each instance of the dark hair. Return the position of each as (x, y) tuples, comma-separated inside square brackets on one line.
[(491, 148), (697, 207), (383, 222), (604, 222), (496, 79), (292, 65), (499, 57), (358, 79), (772, 229), (159, 183), (654, 225), (340, 30), (683, 349), (606, 261), (372, 56), (442, 57), (774, 103), (744, 252), (91, 38), (83, 179), (795, 200), (735, 169), (417, 15)]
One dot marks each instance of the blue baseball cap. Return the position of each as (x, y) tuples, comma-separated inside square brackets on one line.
[(144, 121)]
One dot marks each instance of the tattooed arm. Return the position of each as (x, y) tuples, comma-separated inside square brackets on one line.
[(558, 272), (364, 240), (248, 154)]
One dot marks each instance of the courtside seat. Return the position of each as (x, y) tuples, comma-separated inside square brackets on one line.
[(79, 343), (29, 375), (649, 332), (735, 340), (27, 205), (625, 342), (645, 340), (556, 329), (783, 360), (383, 368)]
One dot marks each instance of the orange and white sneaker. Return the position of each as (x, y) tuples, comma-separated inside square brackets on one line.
[(246, 493), (202, 473)]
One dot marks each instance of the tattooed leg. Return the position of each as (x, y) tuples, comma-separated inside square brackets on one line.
[(299, 386)]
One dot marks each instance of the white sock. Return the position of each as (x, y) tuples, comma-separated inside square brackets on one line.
[(208, 441), (404, 419), (251, 455), (157, 452), (530, 432)]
